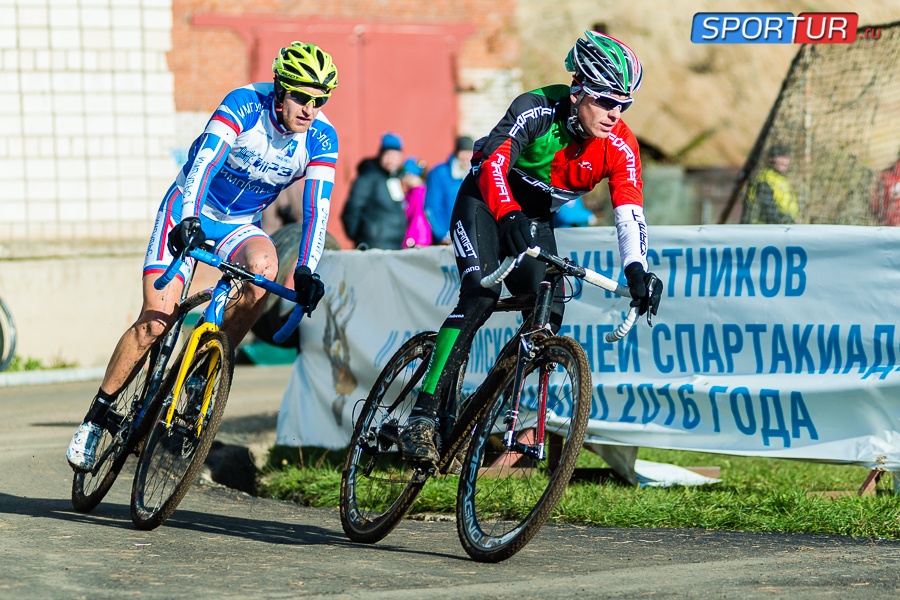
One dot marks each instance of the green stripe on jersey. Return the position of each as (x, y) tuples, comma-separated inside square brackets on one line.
[(535, 158)]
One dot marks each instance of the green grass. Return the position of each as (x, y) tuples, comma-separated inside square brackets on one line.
[(755, 494), (20, 363)]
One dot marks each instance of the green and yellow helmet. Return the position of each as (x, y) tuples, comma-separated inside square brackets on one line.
[(302, 64)]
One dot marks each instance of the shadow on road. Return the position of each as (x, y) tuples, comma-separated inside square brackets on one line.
[(268, 531), (119, 516)]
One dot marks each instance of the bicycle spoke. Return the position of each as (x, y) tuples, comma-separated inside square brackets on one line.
[(118, 438), (509, 488), (377, 487), (175, 452)]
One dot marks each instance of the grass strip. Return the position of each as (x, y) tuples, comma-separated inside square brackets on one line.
[(755, 494)]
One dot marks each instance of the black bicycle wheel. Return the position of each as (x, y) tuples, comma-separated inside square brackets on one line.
[(119, 438), (505, 495), (173, 455), (7, 336), (377, 488)]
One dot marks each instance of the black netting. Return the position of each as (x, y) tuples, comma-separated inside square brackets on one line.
[(837, 124)]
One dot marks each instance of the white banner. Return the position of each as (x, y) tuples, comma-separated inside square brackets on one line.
[(772, 341)]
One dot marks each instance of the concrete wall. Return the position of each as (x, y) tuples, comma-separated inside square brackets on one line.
[(71, 309), (74, 309)]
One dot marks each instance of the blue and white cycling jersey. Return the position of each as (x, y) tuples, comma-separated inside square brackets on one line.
[(245, 158)]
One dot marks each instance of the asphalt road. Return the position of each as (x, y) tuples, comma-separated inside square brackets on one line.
[(223, 543)]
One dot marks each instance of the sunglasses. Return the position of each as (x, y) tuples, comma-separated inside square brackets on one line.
[(304, 99), (607, 102)]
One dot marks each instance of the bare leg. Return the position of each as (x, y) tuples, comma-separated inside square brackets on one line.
[(157, 315), (259, 256)]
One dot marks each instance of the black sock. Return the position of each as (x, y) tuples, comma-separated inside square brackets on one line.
[(99, 406), (426, 408)]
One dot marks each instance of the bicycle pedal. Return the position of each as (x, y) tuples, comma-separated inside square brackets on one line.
[(421, 473)]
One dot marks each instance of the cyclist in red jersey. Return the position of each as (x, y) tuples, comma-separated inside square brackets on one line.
[(553, 144)]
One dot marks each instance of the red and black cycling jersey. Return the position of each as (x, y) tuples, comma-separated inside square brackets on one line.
[(532, 162)]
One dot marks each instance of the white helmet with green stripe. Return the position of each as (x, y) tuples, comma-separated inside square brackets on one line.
[(604, 64)]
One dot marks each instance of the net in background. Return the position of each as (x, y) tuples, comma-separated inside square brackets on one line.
[(838, 118)]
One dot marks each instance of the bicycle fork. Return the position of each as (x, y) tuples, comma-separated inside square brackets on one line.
[(211, 317), (189, 352)]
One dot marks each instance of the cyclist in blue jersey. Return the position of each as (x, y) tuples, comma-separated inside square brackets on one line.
[(262, 138)]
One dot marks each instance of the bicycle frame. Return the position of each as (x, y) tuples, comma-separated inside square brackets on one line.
[(526, 337), (212, 319), (213, 315), (533, 329)]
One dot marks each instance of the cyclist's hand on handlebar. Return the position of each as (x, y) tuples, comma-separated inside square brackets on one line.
[(646, 289), (515, 233), (185, 236), (309, 288)]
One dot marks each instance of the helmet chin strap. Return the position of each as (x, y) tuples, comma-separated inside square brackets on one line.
[(573, 123), (280, 93)]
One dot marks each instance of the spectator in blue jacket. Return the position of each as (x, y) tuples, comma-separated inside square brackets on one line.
[(441, 186)]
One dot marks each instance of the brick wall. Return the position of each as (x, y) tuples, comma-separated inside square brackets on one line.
[(209, 62), (86, 119)]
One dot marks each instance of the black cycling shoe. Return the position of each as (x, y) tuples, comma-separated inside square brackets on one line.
[(417, 443)]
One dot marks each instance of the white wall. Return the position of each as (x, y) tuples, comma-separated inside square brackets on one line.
[(87, 121)]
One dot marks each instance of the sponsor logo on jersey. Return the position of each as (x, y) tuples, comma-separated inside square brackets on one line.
[(642, 229), (499, 178), (561, 194), (462, 246), (248, 108), (534, 113), (470, 270), (255, 186), (290, 149), (320, 136), (630, 158)]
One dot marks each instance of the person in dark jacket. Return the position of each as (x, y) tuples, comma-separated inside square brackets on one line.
[(375, 215)]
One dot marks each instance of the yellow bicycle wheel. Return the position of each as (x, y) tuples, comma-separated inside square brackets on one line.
[(175, 451)]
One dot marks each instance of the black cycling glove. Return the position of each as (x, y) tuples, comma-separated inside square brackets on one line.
[(309, 288), (186, 235), (646, 289), (515, 233)]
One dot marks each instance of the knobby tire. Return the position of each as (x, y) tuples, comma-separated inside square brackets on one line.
[(377, 487), (7, 336), (172, 457), (119, 438), (505, 497)]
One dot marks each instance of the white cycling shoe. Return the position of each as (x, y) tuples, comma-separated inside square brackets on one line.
[(83, 447)]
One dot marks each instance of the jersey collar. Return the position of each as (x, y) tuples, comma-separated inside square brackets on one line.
[(273, 118)]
